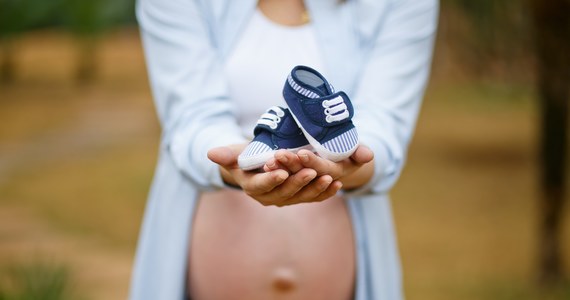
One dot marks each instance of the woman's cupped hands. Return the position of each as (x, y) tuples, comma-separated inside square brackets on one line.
[(292, 178)]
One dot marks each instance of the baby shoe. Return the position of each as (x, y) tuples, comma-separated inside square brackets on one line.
[(275, 130), (325, 117)]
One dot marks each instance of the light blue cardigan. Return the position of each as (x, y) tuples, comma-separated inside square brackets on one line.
[(378, 51)]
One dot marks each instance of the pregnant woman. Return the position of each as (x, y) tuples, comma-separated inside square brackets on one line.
[(304, 227)]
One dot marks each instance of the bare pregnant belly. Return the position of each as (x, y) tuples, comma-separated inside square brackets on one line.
[(243, 250)]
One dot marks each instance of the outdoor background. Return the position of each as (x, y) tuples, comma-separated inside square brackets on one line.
[(79, 139)]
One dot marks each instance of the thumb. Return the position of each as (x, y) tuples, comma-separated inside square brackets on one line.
[(362, 155), (224, 156)]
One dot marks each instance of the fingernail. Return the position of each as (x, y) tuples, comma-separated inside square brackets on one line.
[(304, 157), (309, 177), (271, 164), (282, 158), (326, 184), (281, 176), (340, 186)]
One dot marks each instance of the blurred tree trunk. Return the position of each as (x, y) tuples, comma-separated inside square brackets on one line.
[(7, 61), (552, 42), (87, 59)]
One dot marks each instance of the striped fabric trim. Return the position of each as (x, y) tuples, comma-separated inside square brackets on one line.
[(255, 148), (343, 143), (301, 90)]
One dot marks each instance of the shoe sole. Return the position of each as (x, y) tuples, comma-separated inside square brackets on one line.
[(320, 149)]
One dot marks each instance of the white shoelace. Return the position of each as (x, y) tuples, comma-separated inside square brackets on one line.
[(335, 109), (271, 119)]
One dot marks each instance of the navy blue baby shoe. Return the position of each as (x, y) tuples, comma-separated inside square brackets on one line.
[(325, 117), (275, 130)]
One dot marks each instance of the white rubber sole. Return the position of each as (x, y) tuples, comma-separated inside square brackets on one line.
[(320, 149)]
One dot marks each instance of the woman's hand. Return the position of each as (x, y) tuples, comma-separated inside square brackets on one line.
[(274, 187), (353, 172)]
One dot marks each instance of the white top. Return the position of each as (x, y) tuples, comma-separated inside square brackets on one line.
[(260, 62)]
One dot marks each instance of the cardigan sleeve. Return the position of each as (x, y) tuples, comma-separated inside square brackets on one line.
[(189, 89), (392, 85)]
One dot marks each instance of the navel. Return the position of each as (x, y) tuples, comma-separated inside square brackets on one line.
[(284, 280)]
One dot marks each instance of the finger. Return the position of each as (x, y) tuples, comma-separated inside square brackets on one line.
[(331, 190), (321, 165), (311, 191), (320, 192), (289, 160), (261, 183), (272, 164), (223, 156), (226, 156), (362, 155), (292, 185)]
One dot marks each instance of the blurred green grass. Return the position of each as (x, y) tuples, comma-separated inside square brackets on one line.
[(76, 163), (36, 280)]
